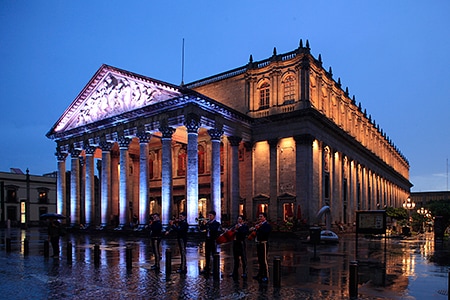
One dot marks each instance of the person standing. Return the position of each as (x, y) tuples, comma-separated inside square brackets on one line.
[(212, 230), (263, 229), (239, 247), (155, 237), (54, 231), (181, 227)]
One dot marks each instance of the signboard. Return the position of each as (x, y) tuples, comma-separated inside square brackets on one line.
[(371, 222)]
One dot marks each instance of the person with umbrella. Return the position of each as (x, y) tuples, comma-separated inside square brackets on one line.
[(54, 232)]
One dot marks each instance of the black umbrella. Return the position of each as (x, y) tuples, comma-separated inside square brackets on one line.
[(52, 215)]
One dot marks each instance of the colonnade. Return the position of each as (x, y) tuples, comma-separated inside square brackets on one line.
[(109, 176), (326, 176)]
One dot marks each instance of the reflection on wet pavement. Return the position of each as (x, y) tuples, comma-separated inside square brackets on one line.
[(387, 269)]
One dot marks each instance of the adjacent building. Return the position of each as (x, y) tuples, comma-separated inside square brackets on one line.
[(279, 135), (24, 197)]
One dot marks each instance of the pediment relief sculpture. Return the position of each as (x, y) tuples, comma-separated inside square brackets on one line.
[(114, 95)]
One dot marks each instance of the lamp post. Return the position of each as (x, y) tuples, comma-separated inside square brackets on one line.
[(426, 214), (409, 205)]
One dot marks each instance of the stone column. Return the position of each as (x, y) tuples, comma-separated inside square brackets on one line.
[(304, 174), (337, 195), (105, 183), (273, 178), (124, 143), (75, 187), (115, 187), (192, 125), (82, 190), (61, 206), (144, 204), (89, 187), (216, 193), (166, 174), (234, 177)]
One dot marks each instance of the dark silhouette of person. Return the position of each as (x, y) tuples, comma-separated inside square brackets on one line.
[(181, 227), (239, 247), (212, 230), (263, 229), (155, 237), (54, 231)]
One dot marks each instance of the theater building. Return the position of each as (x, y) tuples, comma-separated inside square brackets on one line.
[(279, 135)]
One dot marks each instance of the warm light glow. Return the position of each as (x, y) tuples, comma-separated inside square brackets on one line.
[(409, 204), (23, 212)]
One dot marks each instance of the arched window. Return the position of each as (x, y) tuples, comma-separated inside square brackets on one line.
[(289, 89), (264, 95)]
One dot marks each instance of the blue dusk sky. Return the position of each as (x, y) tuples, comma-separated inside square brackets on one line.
[(394, 56)]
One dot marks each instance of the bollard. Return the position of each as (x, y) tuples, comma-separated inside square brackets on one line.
[(353, 280), (46, 249), (96, 254), (69, 252), (129, 257), (26, 246), (168, 263), (277, 271), (216, 266), (8, 244)]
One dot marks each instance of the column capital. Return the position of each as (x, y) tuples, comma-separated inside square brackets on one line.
[(74, 152), (166, 131), (304, 139), (61, 156), (89, 149), (215, 133), (124, 142), (272, 142), (234, 140), (192, 123), (106, 146), (144, 137)]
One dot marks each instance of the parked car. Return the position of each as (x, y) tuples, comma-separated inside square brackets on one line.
[(327, 236)]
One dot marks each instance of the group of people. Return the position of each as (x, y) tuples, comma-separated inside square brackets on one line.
[(212, 230)]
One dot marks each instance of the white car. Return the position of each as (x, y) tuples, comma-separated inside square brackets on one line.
[(327, 236)]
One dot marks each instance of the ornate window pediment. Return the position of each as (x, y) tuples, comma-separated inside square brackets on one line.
[(112, 92)]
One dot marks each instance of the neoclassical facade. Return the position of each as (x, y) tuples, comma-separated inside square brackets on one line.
[(279, 135)]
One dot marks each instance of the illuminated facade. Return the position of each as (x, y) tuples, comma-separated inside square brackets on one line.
[(278, 135)]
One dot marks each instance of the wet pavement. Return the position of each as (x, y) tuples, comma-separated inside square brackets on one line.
[(392, 268)]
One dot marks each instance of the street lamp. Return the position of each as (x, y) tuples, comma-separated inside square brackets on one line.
[(409, 205), (426, 214)]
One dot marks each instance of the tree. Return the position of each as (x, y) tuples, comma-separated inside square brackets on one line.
[(398, 213), (440, 208)]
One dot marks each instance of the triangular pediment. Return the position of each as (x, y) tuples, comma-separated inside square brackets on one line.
[(112, 92)]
